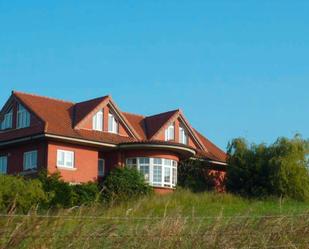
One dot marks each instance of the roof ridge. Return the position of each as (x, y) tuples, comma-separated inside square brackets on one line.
[(40, 96), (89, 100), (162, 113), (139, 115)]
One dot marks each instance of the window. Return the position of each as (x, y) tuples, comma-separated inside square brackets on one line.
[(158, 172), (7, 121), (65, 159), (132, 163), (23, 117), (3, 164), (97, 121), (101, 167), (183, 137), (170, 133), (112, 123), (30, 160), (144, 168)]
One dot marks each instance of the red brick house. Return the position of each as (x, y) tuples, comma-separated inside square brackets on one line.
[(84, 141)]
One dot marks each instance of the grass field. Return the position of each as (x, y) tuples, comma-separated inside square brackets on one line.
[(180, 220)]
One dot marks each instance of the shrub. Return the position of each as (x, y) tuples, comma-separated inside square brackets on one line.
[(195, 175), (62, 194), (19, 194), (280, 169), (123, 184), (86, 194)]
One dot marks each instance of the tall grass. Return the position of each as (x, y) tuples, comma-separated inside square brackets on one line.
[(180, 220)]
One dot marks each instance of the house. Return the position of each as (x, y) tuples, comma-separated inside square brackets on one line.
[(84, 141)]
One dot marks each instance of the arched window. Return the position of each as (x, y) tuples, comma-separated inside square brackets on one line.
[(112, 123), (170, 133), (97, 121)]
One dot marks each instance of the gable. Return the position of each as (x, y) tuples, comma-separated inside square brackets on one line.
[(85, 111), (12, 106), (177, 118)]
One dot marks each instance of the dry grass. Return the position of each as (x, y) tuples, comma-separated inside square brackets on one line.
[(183, 220)]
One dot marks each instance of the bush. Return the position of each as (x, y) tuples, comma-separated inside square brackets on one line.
[(196, 176), (280, 169), (123, 184), (19, 194), (86, 194)]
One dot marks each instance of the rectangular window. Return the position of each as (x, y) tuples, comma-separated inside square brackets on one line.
[(112, 123), (167, 175), (7, 121), (23, 117), (101, 167), (30, 160), (65, 159), (157, 175), (183, 137), (97, 121), (144, 164), (3, 164), (174, 182), (170, 133)]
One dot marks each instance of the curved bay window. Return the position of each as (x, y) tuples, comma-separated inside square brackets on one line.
[(158, 172)]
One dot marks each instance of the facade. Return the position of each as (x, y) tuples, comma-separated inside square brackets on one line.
[(84, 141)]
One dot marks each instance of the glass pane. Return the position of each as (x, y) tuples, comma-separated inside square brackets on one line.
[(167, 175), (168, 162), (174, 176), (145, 171), (157, 161), (60, 159), (157, 174)]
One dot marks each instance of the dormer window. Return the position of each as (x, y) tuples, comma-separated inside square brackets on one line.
[(7, 121), (97, 121), (23, 117), (170, 133), (183, 136), (112, 123)]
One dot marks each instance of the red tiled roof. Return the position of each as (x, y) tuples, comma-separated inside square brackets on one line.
[(154, 123), (58, 119), (82, 109), (138, 123), (214, 152)]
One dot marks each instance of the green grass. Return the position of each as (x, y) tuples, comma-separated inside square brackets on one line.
[(179, 220)]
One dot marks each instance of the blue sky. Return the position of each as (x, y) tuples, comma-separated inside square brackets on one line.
[(236, 68)]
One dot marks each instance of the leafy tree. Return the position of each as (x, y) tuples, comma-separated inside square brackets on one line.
[(195, 175), (18, 194), (280, 169), (123, 184)]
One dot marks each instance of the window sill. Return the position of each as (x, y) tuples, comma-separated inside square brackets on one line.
[(29, 172), (65, 168)]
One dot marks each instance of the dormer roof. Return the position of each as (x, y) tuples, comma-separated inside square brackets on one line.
[(62, 118)]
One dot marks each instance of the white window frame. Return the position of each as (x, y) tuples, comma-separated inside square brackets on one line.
[(183, 135), (113, 125), (7, 122), (66, 155), (97, 121), (30, 161), (3, 165), (101, 173), (160, 164), (170, 132), (23, 117)]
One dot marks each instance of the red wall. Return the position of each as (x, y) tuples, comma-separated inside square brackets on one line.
[(85, 163), (87, 123), (161, 135), (16, 154)]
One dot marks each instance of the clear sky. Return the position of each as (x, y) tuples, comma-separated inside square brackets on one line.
[(236, 68)]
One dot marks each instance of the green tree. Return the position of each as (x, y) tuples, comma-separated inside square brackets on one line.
[(280, 169)]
